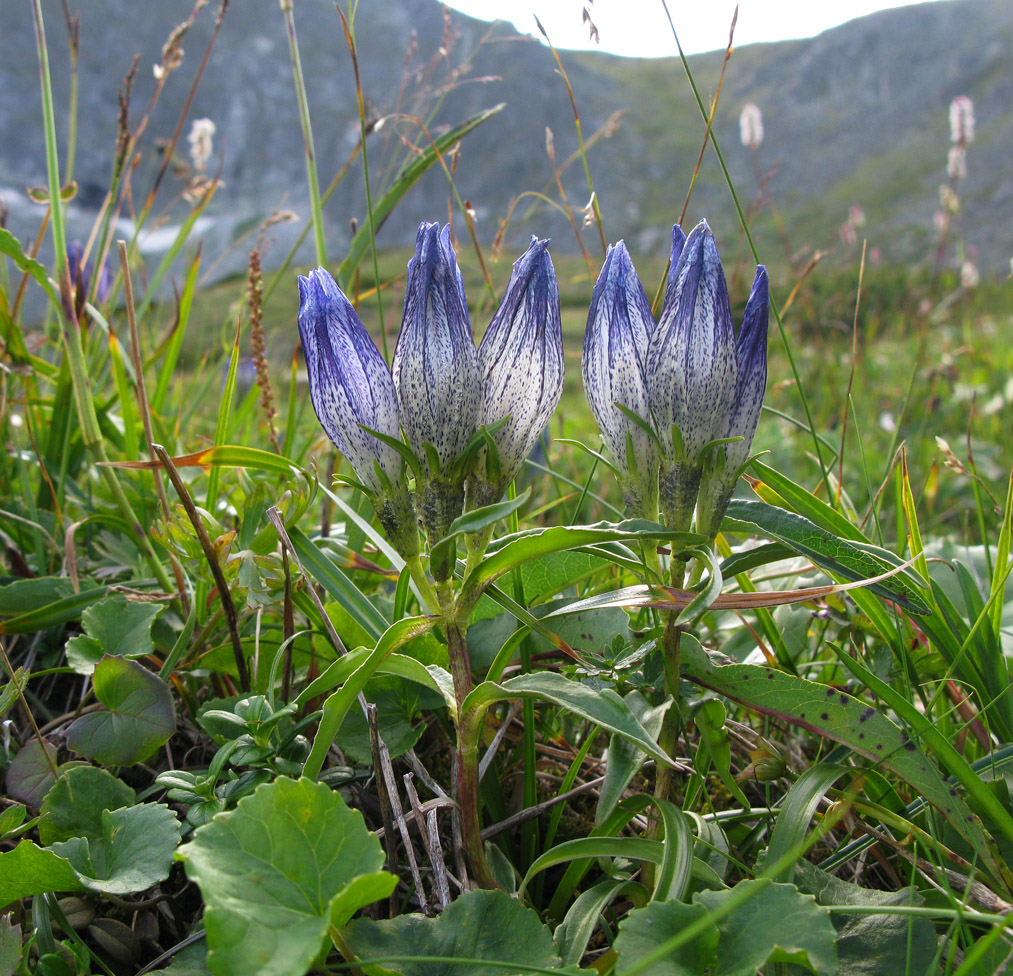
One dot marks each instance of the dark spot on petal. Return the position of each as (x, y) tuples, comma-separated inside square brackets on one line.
[(824, 716), (879, 745), (861, 735), (953, 792), (830, 692), (844, 699), (801, 715), (867, 714), (910, 746)]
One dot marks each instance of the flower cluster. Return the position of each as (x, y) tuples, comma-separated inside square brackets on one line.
[(470, 416), (83, 280), (677, 402)]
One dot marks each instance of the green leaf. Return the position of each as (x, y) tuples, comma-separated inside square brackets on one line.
[(574, 932), (277, 872), (341, 588), (74, 806), (831, 553), (132, 851), (838, 716), (137, 719), (30, 774), (10, 946), (601, 706), (398, 703), (11, 818), (31, 870), (741, 929), (878, 943), (52, 614), (519, 549), (11, 246), (475, 521), (777, 922), (643, 929), (483, 926), (115, 626), (403, 182)]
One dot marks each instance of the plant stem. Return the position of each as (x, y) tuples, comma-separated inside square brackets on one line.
[(467, 758)]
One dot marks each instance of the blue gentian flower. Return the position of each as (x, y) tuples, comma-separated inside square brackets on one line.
[(521, 365), (693, 383), (351, 389), (614, 363), (435, 364)]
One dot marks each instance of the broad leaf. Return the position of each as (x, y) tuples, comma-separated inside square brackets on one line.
[(290, 861), (74, 806), (114, 626), (738, 931), (137, 719), (132, 851), (30, 774), (483, 926), (32, 870)]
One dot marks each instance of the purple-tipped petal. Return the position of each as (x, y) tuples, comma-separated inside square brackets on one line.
[(691, 360), (350, 384), (435, 365), (619, 327), (751, 351), (521, 358)]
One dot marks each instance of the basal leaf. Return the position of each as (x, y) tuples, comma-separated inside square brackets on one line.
[(644, 929), (74, 806), (32, 870), (30, 774), (479, 926), (137, 719), (277, 872), (132, 851), (114, 626)]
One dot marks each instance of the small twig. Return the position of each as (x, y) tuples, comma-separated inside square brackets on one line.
[(431, 840), (490, 753), (228, 605), (386, 808), (539, 808), (423, 774), (395, 804)]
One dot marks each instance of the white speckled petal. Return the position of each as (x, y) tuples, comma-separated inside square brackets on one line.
[(435, 362), (521, 358), (619, 326), (350, 384), (751, 349), (691, 360)]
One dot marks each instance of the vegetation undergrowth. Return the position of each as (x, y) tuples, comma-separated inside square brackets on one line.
[(485, 678)]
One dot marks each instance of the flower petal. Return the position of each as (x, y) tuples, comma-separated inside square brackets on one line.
[(751, 351), (350, 384), (619, 326), (435, 362), (521, 358), (691, 360)]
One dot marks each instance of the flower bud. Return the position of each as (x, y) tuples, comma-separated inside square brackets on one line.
[(751, 126), (351, 389), (521, 364), (619, 328)]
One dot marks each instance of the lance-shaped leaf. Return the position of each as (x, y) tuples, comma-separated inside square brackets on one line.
[(435, 364), (521, 361), (350, 384)]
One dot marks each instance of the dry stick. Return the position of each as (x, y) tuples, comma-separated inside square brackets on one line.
[(228, 605), (386, 808), (539, 808), (395, 804), (851, 378), (428, 830), (24, 704), (142, 398)]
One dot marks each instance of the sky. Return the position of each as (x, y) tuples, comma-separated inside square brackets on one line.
[(639, 28)]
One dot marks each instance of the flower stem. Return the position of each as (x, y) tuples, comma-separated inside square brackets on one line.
[(467, 757)]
